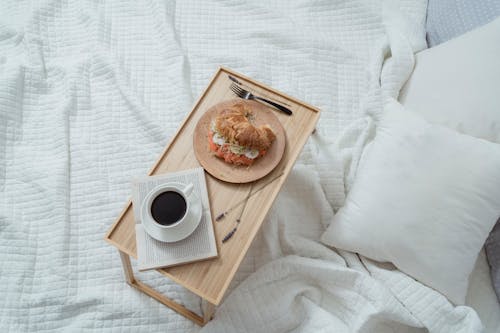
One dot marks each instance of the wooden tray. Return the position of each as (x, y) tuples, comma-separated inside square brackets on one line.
[(210, 279)]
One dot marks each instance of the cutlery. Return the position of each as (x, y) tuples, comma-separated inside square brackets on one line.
[(244, 94), (235, 80)]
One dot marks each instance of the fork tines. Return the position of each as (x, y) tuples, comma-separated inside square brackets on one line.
[(240, 92)]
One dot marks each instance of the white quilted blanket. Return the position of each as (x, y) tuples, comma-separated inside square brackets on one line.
[(90, 93)]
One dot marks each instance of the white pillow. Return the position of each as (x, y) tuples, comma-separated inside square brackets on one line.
[(456, 83), (425, 198)]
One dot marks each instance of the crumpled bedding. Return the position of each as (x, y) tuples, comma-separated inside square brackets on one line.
[(307, 287), (91, 92)]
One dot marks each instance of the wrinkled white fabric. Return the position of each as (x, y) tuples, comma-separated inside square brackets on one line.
[(91, 92)]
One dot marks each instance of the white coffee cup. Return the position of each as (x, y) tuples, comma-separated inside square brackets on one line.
[(178, 226)]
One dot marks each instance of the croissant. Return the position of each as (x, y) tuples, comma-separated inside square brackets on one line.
[(235, 124)]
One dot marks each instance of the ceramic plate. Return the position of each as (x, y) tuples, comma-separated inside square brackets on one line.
[(234, 173)]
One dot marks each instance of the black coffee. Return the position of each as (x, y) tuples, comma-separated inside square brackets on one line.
[(168, 208)]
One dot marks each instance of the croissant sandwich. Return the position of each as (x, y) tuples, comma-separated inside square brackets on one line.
[(233, 136)]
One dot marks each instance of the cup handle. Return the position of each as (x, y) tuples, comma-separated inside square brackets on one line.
[(188, 189)]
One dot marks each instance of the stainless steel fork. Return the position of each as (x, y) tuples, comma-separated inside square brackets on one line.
[(242, 93)]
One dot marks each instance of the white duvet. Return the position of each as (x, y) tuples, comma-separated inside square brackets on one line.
[(90, 93)]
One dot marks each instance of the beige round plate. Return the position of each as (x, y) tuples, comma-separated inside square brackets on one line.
[(234, 173)]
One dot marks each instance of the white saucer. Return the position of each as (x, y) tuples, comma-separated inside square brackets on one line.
[(176, 232)]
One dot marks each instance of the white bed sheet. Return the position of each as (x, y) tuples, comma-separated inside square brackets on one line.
[(481, 296)]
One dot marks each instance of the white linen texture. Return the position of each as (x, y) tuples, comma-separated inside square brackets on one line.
[(427, 197), (92, 91)]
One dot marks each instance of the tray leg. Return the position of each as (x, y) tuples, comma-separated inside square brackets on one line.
[(127, 268), (208, 311), (131, 280)]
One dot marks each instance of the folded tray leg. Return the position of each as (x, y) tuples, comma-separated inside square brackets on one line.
[(208, 309)]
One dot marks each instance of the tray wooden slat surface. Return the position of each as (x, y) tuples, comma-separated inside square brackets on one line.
[(210, 278)]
